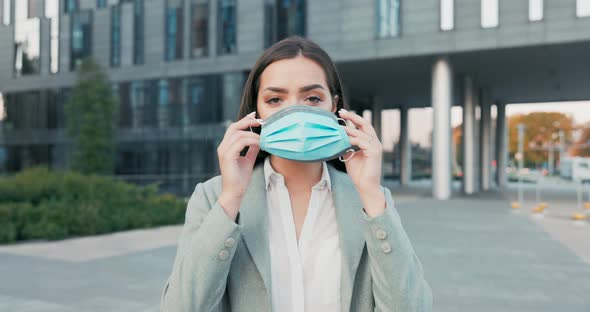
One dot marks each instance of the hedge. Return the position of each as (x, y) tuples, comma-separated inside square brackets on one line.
[(41, 204)]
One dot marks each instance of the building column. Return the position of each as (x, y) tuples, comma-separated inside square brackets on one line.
[(501, 146), (442, 94), (405, 148), (485, 131), (468, 136), (377, 108)]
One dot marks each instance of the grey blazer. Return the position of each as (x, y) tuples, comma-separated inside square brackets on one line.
[(222, 266)]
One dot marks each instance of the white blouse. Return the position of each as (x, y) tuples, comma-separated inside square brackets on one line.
[(306, 275)]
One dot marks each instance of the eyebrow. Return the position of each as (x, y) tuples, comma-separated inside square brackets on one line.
[(301, 90)]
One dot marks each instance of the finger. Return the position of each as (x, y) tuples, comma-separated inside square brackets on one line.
[(357, 133), (252, 152), (363, 144), (358, 121), (243, 124), (233, 138), (237, 137), (235, 149)]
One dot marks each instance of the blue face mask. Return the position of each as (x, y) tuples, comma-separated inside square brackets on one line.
[(304, 133)]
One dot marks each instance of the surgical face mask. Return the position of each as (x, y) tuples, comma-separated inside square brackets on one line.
[(305, 133)]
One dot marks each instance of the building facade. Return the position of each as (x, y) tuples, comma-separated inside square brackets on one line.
[(178, 68)]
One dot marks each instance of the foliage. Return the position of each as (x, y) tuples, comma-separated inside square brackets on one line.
[(90, 115), (41, 204)]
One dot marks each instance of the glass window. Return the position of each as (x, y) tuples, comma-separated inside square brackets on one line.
[(447, 19), (115, 36), (535, 10), (52, 12), (489, 13), (101, 3), (80, 38), (226, 42), (583, 8), (199, 28), (173, 30), (283, 19), (388, 18), (71, 6), (33, 8), (202, 91), (6, 12), (27, 41), (138, 32)]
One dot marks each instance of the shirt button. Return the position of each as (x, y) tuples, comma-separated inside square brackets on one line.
[(230, 242), (224, 254), (386, 247), (380, 234)]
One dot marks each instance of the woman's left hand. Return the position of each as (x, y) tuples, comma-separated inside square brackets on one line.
[(364, 168)]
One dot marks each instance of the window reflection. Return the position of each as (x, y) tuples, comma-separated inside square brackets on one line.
[(138, 32), (6, 12), (227, 27), (199, 28), (283, 19), (174, 12), (71, 6), (388, 18), (81, 38), (27, 47), (447, 8), (52, 12), (115, 36)]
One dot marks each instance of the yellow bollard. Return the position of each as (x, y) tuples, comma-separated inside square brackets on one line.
[(587, 205), (515, 205), (544, 205), (539, 209), (578, 216)]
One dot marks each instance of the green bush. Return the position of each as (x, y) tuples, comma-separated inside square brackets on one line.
[(38, 203)]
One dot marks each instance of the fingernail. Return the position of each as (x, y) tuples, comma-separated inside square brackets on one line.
[(252, 113), (343, 110)]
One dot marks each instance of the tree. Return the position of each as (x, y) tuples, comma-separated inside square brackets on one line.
[(582, 146), (90, 115), (541, 129)]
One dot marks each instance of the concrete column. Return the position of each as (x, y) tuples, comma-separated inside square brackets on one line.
[(377, 104), (468, 136), (442, 95), (501, 146), (405, 148), (485, 131)]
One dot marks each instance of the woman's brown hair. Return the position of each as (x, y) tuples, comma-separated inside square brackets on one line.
[(289, 48)]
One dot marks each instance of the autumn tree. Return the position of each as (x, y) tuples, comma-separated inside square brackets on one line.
[(541, 131)]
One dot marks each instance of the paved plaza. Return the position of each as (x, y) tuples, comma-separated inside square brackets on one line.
[(477, 255)]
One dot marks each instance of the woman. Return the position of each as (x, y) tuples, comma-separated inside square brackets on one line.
[(276, 234)]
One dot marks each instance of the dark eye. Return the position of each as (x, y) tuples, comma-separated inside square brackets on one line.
[(314, 99), (273, 100)]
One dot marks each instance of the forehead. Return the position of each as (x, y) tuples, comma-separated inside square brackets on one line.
[(293, 73)]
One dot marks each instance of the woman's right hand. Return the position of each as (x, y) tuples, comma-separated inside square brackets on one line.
[(236, 170)]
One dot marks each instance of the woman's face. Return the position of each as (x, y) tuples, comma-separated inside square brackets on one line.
[(296, 81)]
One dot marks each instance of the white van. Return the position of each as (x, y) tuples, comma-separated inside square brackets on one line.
[(576, 169)]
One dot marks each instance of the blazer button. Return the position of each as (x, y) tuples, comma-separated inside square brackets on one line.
[(224, 254), (380, 234), (230, 242), (386, 247)]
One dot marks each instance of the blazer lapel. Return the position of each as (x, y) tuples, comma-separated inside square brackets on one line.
[(254, 221), (352, 241)]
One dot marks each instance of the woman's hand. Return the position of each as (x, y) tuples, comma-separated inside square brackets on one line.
[(364, 168), (236, 170)]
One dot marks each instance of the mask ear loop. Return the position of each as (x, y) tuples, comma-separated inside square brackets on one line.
[(260, 121), (349, 157), (348, 150)]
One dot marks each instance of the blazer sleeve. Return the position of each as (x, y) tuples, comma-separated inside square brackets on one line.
[(206, 247), (397, 273)]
